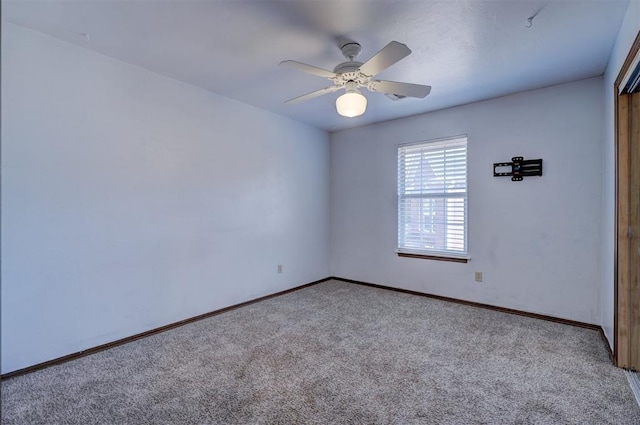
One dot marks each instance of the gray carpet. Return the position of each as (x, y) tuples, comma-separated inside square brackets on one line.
[(338, 353)]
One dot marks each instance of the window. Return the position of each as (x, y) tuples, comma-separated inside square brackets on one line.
[(432, 199)]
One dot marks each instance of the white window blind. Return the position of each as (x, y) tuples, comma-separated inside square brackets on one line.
[(432, 197)]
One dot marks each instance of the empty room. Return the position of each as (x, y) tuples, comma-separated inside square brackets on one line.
[(320, 212)]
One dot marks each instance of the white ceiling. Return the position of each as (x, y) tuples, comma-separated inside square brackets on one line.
[(466, 50)]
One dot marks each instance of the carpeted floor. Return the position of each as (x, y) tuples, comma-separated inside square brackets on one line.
[(338, 353)]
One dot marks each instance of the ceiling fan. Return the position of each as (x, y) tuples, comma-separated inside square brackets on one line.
[(353, 75)]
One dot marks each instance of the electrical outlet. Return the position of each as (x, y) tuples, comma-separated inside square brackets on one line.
[(478, 276), (279, 268)]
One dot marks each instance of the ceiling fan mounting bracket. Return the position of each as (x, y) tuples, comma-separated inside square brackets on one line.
[(351, 51)]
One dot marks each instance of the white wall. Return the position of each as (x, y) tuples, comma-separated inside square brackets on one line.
[(130, 200), (536, 241), (628, 31)]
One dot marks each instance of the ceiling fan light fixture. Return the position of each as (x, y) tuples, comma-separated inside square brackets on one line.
[(351, 104)]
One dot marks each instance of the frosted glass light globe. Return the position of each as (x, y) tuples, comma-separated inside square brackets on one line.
[(351, 104)]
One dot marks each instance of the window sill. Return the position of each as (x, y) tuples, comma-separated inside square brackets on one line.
[(434, 257)]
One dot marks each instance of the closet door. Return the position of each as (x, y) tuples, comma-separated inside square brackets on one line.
[(626, 347), (628, 243)]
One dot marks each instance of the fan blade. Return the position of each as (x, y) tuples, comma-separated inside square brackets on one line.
[(313, 94), (402, 89), (309, 69), (390, 54)]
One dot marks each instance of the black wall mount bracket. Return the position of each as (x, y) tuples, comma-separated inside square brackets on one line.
[(520, 168)]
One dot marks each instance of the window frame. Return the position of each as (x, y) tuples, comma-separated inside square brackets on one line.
[(442, 255)]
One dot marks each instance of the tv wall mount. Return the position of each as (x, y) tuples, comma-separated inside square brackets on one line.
[(520, 168)]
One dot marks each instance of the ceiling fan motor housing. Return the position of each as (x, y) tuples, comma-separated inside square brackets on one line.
[(346, 67)]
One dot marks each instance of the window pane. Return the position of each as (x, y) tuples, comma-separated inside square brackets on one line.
[(432, 196)]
